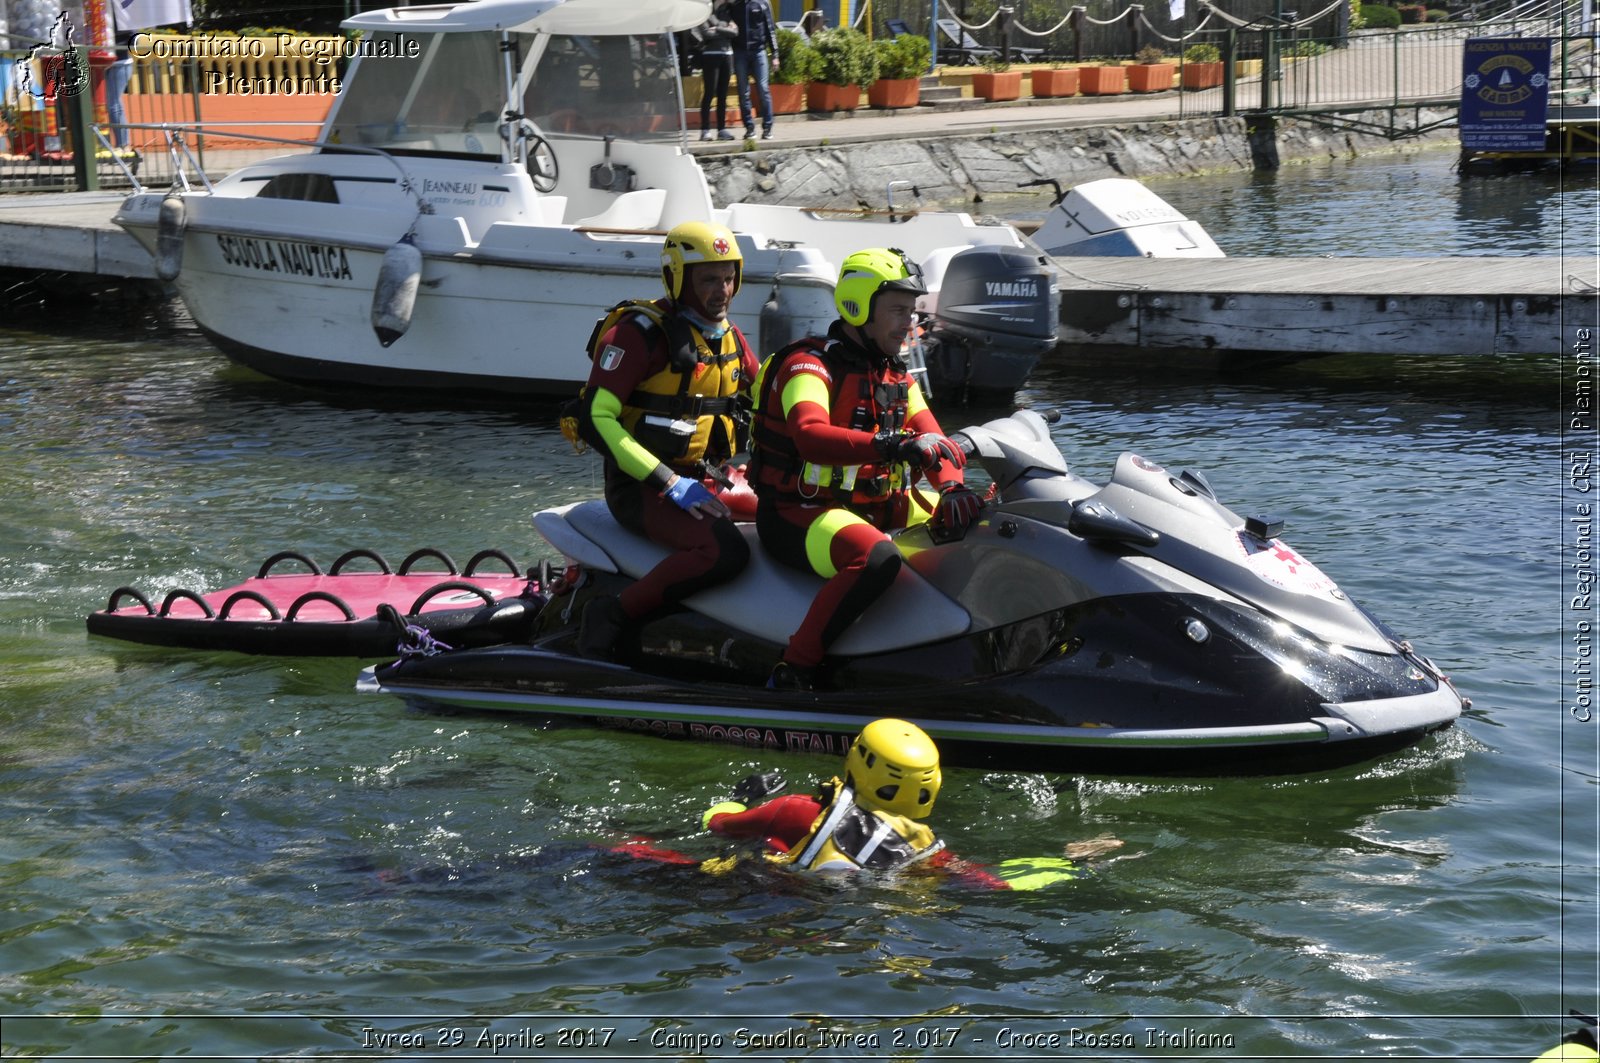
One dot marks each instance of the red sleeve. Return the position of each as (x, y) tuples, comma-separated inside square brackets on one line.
[(966, 872), (815, 436), (625, 357), (924, 421), (780, 823)]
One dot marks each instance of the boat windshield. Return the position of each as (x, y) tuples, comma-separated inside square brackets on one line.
[(606, 86), (444, 93)]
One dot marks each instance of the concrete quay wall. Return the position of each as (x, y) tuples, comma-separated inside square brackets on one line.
[(853, 168)]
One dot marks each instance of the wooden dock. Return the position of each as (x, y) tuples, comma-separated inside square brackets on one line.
[(1265, 305), (1330, 305)]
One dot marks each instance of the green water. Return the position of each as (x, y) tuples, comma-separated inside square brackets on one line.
[(209, 855), (216, 856)]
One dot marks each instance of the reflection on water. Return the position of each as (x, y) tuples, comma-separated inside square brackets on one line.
[(1389, 206)]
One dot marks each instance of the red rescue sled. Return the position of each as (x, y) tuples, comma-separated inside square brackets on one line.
[(336, 613)]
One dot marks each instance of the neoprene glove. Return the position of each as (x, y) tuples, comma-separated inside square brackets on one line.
[(688, 492), (958, 507), (717, 810), (928, 450)]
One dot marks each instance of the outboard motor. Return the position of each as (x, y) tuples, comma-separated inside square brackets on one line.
[(995, 318)]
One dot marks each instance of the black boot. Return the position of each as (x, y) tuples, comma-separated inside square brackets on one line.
[(786, 676), (601, 629)]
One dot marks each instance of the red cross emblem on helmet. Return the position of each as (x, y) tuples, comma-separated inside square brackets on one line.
[(720, 246)]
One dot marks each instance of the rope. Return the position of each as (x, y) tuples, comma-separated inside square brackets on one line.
[(1110, 21), (1045, 33), (979, 26), (1178, 40)]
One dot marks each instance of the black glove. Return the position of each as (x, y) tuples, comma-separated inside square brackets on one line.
[(958, 507), (925, 451), (758, 787)]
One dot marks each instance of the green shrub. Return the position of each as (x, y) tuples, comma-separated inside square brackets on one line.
[(1148, 55), (906, 56), (1379, 17), (1436, 15), (797, 60), (1202, 53), (845, 57), (1305, 49)]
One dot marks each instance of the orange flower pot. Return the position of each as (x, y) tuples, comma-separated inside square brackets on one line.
[(788, 99), (895, 92), (1102, 80), (821, 96), (1003, 85), (1198, 76), (1151, 77), (1049, 84)]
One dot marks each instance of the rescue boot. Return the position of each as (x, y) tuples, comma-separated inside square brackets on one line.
[(603, 627), (786, 676)]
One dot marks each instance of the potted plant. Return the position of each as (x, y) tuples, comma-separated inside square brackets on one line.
[(1148, 73), (846, 64), (997, 81), (1202, 67), (1054, 81), (902, 61), (797, 65), (1106, 79)]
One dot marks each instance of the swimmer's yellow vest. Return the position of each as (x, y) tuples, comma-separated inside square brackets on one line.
[(847, 837)]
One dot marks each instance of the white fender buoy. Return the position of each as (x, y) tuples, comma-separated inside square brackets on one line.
[(171, 222), (396, 294)]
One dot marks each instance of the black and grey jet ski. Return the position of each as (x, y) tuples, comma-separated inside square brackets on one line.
[(1135, 626)]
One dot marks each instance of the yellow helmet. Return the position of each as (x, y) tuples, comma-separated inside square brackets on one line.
[(692, 242), (894, 766), (866, 273)]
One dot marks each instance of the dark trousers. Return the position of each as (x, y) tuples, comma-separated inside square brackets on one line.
[(715, 69)]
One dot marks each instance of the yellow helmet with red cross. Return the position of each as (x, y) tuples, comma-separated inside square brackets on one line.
[(691, 243)]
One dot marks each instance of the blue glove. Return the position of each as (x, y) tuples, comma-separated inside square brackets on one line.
[(688, 493)]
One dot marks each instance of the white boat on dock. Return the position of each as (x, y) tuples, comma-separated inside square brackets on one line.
[(494, 174)]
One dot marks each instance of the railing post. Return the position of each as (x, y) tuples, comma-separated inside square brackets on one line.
[(1005, 34), (1077, 35), (80, 119), (1269, 65), (1230, 76), (1134, 11)]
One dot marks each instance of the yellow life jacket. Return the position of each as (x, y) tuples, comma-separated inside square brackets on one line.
[(691, 409), (847, 837)]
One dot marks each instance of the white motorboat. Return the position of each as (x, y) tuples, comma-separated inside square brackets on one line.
[(1117, 216), (493, 176)]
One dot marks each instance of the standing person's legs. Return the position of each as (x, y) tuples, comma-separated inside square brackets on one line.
[(764, 93), (743, 71), (716, 81), (118, 74)]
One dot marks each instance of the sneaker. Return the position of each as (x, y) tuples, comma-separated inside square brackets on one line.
[(724, 135), (749, 132), (706, 135), (786, 676), (601, 628), (766, 134)]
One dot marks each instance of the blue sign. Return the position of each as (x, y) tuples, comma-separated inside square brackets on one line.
[(1505, 93)]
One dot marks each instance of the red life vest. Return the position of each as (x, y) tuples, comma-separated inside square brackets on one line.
[(863, 397)]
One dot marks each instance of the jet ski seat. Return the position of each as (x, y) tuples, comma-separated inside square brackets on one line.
[(768, 599)]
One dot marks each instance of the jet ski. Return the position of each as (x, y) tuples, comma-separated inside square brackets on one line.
[(1133, 626)]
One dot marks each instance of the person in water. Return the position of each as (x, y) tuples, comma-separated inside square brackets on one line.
[(664, 401), (841, 435), (871, 820)]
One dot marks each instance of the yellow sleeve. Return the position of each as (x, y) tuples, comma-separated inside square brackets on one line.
[(605, 409)]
